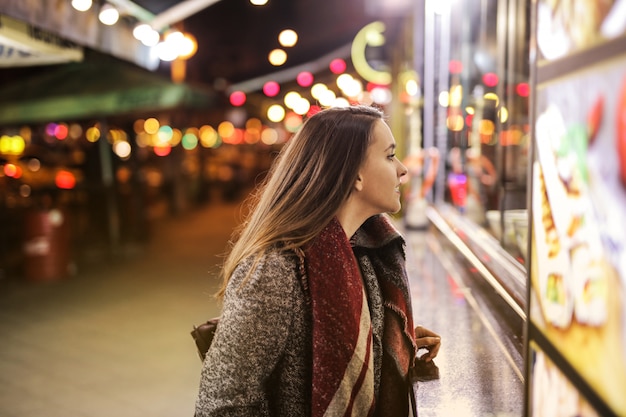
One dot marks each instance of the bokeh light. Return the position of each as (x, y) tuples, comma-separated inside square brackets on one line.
[(455, 122), (51, 128), (144, 33), (271, 88), (25, 190), (293, 122), (65, 180), (381, 95), (209, 137), (341, 102), (277, 57), (314, 109), (189, 141), (108, 15), (162, 150), (237, 98), (226, 129), (151, 126), (122, 149), (492, 97), (455, 67), (318, 89), (269, 136), (92, 134), (12, 170), (75, 131), (522, 89), (164, 135), (81, 5), (276, 113), (288, 38), (301, 106), (33, 164), (444, 99), (327, 97), (337, 66), (490, 79), (291, 99), (12, 145), (304, 79)]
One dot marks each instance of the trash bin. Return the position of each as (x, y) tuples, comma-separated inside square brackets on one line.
[(46, 245)]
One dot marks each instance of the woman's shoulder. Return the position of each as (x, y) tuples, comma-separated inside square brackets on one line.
[(274, 260), (275, 268)]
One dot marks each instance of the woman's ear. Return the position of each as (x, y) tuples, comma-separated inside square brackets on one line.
[(358, 184)]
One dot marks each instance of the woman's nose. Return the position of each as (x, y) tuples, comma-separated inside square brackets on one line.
[(402, 171)]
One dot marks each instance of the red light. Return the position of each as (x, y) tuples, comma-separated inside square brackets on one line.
[(523, 89), (304, 79), (65, 180), (490, 79), (271, 88), (337, 66), (162, 150), (237, 98), (61, 132), (313, 109), (455, 67), (12, 170), (468, 119), (370, 86)]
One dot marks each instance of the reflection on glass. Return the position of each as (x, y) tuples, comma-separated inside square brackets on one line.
[(487, 119)]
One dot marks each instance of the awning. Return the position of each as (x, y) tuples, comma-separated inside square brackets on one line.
[(85, 90), (24, 45)]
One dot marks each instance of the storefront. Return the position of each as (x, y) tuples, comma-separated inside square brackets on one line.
[(523, 105)]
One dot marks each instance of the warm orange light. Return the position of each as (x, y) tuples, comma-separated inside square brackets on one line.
[(151, 125), (12, 170), (226, 129), (188, 46), (162, 150), (65, 180), (455, 122)]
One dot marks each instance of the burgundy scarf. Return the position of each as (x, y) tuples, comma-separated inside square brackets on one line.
[(343, 374)]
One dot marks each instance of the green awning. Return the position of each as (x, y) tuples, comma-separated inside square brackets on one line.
[(84, 90)]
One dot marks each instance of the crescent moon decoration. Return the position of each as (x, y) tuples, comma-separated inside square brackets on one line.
[(369, 35)]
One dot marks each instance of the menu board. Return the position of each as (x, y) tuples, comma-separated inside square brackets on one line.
[(577, 268), (553, 393)]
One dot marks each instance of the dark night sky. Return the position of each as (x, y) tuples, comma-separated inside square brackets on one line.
[(235, 37)]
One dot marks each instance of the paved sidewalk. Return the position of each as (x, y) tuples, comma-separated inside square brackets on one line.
[(115, 341)]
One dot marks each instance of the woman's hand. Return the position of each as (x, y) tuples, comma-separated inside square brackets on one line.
[(429, 340)]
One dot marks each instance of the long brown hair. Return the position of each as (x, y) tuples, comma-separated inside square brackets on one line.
[(310, 179)]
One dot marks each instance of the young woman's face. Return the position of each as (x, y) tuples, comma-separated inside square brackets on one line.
[(381, 173)]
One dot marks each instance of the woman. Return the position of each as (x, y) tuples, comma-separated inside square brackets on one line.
[(317, 315)]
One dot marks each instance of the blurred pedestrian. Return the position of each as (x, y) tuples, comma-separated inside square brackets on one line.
[(317, 313)]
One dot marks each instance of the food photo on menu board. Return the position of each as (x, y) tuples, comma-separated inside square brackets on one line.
[(578, 262), (552, 393), (566, 26)]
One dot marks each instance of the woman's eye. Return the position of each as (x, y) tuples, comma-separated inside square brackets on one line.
[(393, 155)]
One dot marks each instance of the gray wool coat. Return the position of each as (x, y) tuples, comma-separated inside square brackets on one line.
[(260, 362)]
